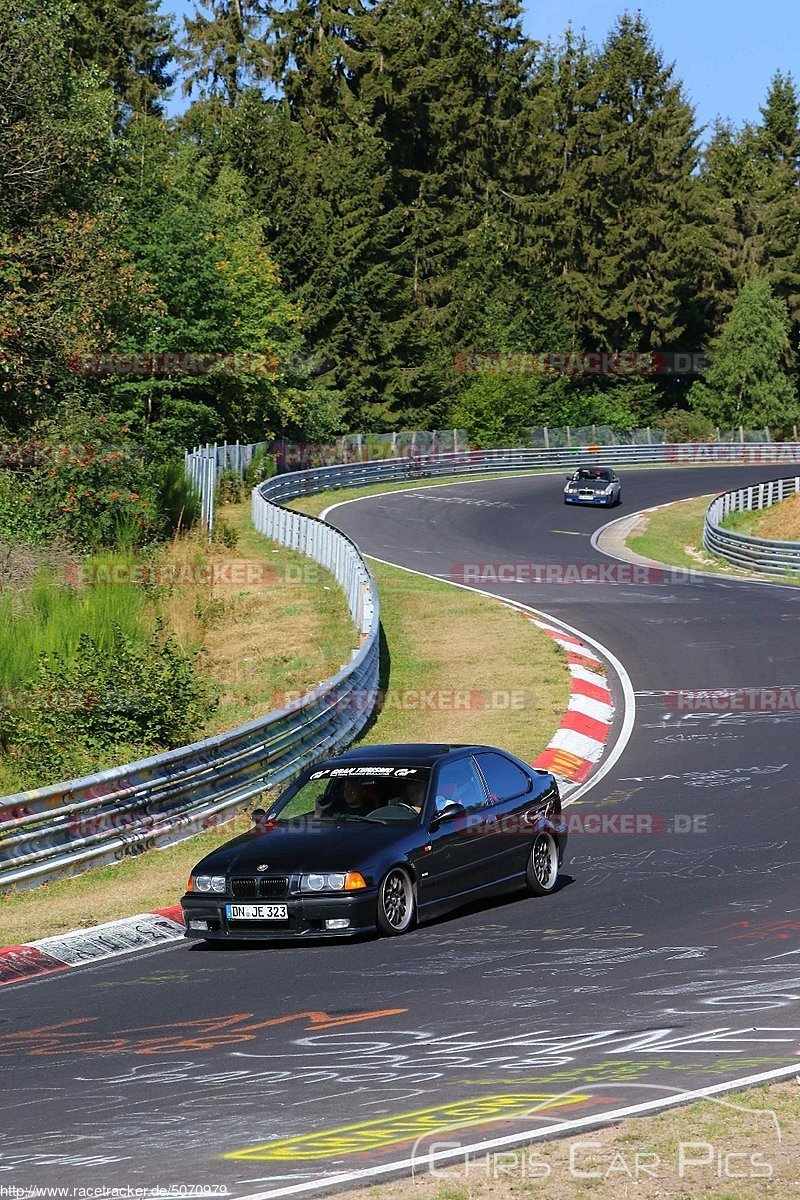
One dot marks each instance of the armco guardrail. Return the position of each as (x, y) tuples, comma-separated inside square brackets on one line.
[(741, 549), (202, 464), (63, 829)]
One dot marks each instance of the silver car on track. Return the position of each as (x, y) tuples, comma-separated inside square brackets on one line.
[(593, 485)]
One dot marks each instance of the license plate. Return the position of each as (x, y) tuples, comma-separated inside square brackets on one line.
[(257, 912)]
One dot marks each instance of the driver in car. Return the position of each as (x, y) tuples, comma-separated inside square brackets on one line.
[(354, 799)]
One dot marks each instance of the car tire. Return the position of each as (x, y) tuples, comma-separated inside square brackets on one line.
[(541, 873), (397, 907)]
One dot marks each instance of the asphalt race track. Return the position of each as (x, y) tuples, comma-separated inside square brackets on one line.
[(667, 960)]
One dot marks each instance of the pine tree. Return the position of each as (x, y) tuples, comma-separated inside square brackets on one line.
[(748, 383), (779, 145), (131, 42), (751, 185), (564, 144), (448, 86), (327, 225), (639, 206), (223, 51)]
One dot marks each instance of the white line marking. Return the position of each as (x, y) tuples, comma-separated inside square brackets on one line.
[(576, 743)]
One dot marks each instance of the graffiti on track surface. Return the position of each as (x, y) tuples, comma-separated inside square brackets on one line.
[(405, 1127), (205, 1033)]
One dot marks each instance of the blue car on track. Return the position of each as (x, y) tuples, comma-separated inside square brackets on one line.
[(593, 485)]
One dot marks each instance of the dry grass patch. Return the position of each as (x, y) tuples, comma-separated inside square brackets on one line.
[(779, 522), (286, 630)]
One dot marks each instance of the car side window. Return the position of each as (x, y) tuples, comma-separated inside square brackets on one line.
[(503, 777), (459, 783)]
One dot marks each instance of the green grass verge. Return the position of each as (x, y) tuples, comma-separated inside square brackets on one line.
[(48, 617), (673, 535), (442, 683)]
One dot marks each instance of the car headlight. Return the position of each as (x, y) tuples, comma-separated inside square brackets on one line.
[(334, 881), (209, 883)]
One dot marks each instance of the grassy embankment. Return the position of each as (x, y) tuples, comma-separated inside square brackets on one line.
[(257, 619), (440, 640), (779, 522)]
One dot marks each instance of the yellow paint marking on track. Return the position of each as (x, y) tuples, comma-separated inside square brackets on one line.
[(372, 1135)]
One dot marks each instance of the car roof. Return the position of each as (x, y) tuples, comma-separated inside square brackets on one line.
[(423, 754)]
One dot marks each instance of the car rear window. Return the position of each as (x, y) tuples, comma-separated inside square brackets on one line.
[(503, 777)]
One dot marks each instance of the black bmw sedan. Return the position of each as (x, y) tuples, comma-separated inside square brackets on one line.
[(378, 838)]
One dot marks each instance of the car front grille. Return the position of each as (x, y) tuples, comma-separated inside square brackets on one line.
[(259, 888)]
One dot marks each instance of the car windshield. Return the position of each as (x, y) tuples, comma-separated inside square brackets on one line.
[(376, 793), (593, 476)]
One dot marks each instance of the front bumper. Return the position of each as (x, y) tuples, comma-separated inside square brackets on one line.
[(599, 499), (206, 918)]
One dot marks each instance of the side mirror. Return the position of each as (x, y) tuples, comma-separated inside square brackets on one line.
[(448, 813), (258, 815)]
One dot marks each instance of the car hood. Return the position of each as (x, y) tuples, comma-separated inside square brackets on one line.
[(318, 846), (591, 485)]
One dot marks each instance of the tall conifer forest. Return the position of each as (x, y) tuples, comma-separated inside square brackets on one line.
[(362, 201)]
